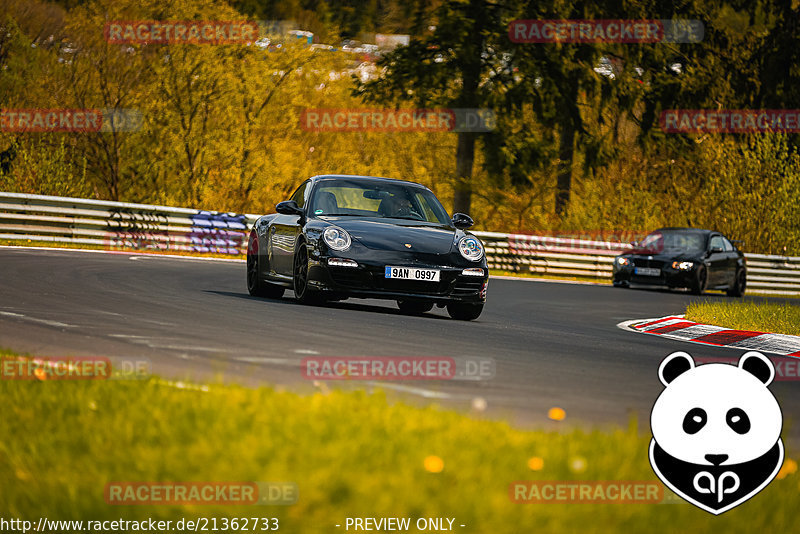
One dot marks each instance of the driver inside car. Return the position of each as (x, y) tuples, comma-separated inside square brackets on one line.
[(396, 207)]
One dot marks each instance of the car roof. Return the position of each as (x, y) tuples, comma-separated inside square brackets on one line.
[(379, 179), (686, 229)]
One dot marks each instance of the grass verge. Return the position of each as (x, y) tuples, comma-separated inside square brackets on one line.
[(351, 454), (783, 318)]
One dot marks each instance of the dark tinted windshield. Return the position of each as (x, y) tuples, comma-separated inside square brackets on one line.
[(671, 242), (360, 198)]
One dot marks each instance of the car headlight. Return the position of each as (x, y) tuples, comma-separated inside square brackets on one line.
[(336, 238), (471, 248), (623, 261), (682, 265)]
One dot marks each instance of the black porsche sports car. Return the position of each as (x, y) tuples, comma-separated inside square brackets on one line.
[(359, 236), (684, 257)]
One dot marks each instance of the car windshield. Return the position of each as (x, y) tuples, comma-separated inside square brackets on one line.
[(671, 243), (360, 198)]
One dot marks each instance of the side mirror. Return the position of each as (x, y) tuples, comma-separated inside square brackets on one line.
[(288, 207), (462, 220), (715, 250)]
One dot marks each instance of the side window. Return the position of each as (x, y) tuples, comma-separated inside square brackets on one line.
[(300, 195), (728, 246), (716, 242)]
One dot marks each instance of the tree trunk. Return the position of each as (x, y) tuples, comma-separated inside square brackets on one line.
[(471, 49), (566, 153), (465, 157)]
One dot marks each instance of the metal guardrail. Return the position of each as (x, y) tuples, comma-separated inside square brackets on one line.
[(122, 225), (594, 259), (119, 225), (550, 255)]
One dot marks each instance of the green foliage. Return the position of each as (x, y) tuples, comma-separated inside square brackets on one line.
[(46, 169), (750, 191)]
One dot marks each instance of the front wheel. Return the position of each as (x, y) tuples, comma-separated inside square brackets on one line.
[(302, 292), (464, 311), (700, 280), (737, 288)]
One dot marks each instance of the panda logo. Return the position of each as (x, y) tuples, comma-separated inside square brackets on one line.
[(716, 430)]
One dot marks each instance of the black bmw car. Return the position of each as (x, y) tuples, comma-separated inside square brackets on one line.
[(357, 236), (684, 257)]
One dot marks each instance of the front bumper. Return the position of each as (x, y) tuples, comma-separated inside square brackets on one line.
[(669, 277), (368, 281)]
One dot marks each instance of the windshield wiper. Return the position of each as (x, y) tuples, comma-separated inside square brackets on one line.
[(407, 218), (343, 215)]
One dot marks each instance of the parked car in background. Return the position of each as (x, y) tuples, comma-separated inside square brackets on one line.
[(686, 258)]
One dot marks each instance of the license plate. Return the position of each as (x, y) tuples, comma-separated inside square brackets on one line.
[(647, 271), (411, 273)]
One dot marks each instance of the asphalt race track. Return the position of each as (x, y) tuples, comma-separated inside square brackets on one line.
[(553, 344)]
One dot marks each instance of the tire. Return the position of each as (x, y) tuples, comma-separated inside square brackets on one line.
[(302, 292), (624, 285), (464, 311), (700, 280), (414, 307), (255, 286), (739, 285)]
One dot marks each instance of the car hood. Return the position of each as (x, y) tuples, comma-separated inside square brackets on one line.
[(394, 234)]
